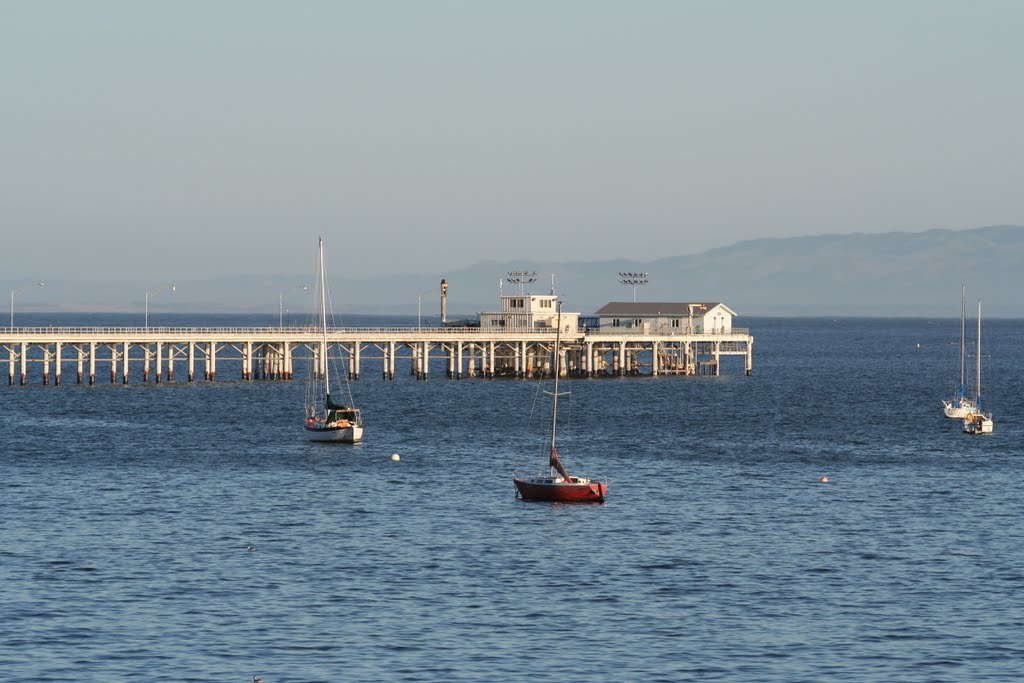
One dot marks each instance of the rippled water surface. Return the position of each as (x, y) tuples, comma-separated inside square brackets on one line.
[(128, 512)]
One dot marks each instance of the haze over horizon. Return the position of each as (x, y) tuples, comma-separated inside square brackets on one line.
[(148, 142)]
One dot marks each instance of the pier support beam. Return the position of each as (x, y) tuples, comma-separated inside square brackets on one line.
[(56, 364), (92, 363), (191, 361), (247, 361), (211, 364), (355, 359), (124, 369), (24, 363)]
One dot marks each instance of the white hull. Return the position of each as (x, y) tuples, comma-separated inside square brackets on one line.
[(958, 412), (352, 434), (326, 420), (978, 425)]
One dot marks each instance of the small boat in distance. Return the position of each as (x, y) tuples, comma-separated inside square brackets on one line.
[(557, 485), (977, 421), (327, 420), (960, 405)]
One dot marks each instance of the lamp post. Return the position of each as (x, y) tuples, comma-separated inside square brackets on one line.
[(151, 293), (419, 308), (280, 303), (633, 279), (16, 292)]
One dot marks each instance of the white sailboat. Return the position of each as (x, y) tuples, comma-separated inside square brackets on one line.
[(327, 420), (960, 406), (978, 421)]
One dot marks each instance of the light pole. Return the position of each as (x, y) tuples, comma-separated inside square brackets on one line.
[(521, 277), (633, 279), (419, 307), (280, 303), (16, 292), (151, 293)]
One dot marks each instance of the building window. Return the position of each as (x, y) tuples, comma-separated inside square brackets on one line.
[(675, 322), (637, 322), (616, 322)]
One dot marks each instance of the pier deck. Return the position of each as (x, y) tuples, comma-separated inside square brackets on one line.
[(153, 354)]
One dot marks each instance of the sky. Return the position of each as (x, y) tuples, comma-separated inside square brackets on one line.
[(154, 141)]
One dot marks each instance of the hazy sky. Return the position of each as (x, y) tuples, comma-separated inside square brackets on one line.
[(168, 140)]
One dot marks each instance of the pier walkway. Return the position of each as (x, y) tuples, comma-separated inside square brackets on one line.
[(154, 353)]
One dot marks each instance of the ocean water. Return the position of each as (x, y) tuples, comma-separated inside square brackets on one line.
[(128, 513)]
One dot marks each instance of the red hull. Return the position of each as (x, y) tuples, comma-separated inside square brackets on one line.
[(562, 492)]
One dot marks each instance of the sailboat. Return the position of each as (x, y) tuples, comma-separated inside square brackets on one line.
[(960, 405), (327, 420), (977, 421), (557, 485)]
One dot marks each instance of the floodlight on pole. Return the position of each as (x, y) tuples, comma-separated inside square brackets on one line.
[(16, 292), (521, 278), (633, 279), (154, 291), (280, 303)]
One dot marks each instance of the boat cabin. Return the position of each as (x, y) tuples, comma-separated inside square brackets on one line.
[(653, 317)]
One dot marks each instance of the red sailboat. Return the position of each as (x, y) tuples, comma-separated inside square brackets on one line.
[(557, 485)]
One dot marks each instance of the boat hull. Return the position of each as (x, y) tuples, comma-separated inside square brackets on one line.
[(578, 490), (350, 434), (978, 424), (957, 412)]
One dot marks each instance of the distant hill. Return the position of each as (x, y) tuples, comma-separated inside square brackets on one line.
[(890, 274)]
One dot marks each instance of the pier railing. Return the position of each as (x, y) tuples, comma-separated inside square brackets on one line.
[(347, 331)]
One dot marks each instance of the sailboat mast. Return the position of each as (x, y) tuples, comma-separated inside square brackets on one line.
[(963, 338), (978, 380), (323, 316), (558, 371)]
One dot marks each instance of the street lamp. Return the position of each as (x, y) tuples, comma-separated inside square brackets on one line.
[(280, 303), (633, 279), (16, 292), (151, 293), (419, 307)]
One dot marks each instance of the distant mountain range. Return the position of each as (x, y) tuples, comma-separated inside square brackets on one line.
[(890, 274)]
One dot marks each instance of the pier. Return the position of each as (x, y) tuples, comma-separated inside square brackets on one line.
[(155, 354)]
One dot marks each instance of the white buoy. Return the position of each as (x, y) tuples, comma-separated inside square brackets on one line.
[(395, 457)]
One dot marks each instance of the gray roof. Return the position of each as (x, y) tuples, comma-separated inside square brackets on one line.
[(630, 309)]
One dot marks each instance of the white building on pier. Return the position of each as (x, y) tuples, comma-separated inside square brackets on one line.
[(526, 312), (654, 317)]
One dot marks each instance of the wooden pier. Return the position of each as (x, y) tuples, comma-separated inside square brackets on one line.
[(154, 354)]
